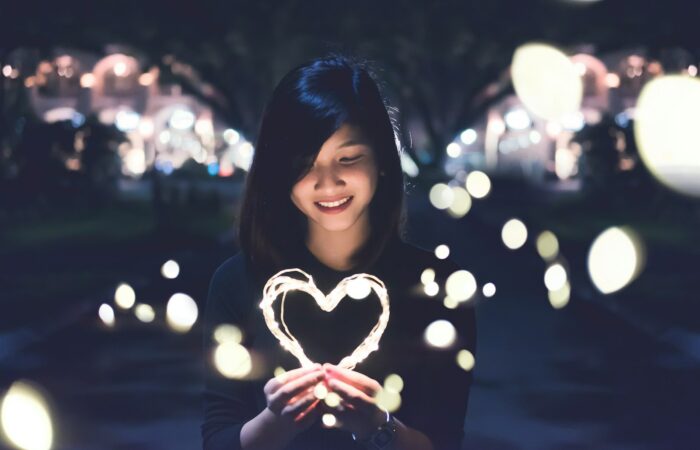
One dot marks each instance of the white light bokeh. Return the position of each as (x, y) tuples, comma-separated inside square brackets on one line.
[(560, 298), (441, 196), (478, 184), (461, 204), (615, 259), (547, 245), (465, 359), (359, 288), (328, 420), (181, 312), (514, 234), (144, 313), (228, 333), (453, 150), (667, 133), (332, 399), (320, 391), (124, 296), (427, 276), (388, 400), (432, 289), (546, 81), (393, 383), (442, 251), (468, 136), (232, 360), (170, 269), (106, 314), (555, 277), (489, 290), (25, 417), (440, 334), (460, 285)]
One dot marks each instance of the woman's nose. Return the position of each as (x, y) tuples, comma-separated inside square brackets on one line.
[(328, 177)]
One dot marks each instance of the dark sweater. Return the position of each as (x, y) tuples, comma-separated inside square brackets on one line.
[(436, 390)]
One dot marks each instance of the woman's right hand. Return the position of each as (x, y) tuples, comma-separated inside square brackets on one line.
[(290, 396)]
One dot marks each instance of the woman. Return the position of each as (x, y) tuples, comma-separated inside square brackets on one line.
[(325, 194)]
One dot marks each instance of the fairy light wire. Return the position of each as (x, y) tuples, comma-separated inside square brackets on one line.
[(282, 284)]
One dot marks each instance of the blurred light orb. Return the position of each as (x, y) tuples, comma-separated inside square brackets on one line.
[(279, 370), (232, 360), (320, 391), (432, 289), (170, 269), (555, 277), (547, 245), (514, 234), (465, 359), (460, 285), (388, 400), (454, 150), (427, 276), (667, 131), (441, 196), (546, 81), (440, 334), (332, 399), (442, 251), (329, 420), (182, 119), (135, 162), (489, 290), (124, 296), (517, 119), (144, 313), (468, 136), (461, 204), (106, 314), (359, 288), (181, 312), (450, 303), (560, 298), (615, 259), (25, 417), (393, 383), (228, 333), (231, 136), (478, 184)]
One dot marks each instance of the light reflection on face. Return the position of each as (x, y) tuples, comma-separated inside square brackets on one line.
[(345, 166)]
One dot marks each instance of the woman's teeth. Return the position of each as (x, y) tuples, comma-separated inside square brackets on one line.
[(334, 204)]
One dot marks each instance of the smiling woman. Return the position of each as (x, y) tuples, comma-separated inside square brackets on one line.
[(325, 196)]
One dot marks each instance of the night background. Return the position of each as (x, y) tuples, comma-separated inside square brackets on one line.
[(552, 145)]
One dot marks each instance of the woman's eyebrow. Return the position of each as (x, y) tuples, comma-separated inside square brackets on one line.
[(351, 143)]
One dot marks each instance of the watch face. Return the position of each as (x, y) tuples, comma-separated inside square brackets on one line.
[(383, 438)]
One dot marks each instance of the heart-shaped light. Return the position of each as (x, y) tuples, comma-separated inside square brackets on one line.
[(281, 284)]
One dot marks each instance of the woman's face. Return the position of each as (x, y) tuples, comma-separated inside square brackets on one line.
[(345, 170)]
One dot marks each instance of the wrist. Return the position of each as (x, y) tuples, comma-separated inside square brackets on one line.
[(381, 436)]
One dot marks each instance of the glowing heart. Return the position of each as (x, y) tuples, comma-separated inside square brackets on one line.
[(356, 286)]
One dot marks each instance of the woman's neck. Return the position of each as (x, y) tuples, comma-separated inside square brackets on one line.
[(335, 248)]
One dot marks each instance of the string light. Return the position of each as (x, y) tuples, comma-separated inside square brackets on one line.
[(282, 284)]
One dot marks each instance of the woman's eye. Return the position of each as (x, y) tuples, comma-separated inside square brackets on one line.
[(350, 159)]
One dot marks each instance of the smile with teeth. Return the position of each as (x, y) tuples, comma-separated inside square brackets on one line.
[(334, 204)]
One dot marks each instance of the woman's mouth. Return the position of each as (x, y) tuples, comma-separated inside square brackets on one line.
[(334, 207)]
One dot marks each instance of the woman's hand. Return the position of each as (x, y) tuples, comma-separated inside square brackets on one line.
[(358, 411), (290, 397)]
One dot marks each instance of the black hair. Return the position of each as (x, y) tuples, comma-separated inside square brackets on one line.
[(308, 105)]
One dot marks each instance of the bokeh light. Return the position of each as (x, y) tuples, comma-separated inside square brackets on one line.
[(25, 417), (440, 334), (468, 136), (555, 277), (393, 383), (388, 400), (124, 296), (232, 360), (106, 314), (432, 289), (427, 276), (461, 203), (514, 234), (181, 312), (453, 150), (465, 359), (450, 303), (329, 420), (442, 251), (667, 133), (332, 399), (489, 290), (615, 259), (560, 298), (170, 269), (460, 285), (359, 288), (478, 184), (320, 391), (144, 313), (441, 196), (228, 333), (547, 245), (546, 81)]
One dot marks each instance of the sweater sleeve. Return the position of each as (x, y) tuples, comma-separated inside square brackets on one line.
[(227, 403), (441, 387)]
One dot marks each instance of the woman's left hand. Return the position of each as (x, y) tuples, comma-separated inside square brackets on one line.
[(359, 412)]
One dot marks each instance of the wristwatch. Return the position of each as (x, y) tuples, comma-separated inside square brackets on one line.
[(382, 438)]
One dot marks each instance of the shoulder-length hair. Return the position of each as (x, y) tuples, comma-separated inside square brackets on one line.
[(308, 105)]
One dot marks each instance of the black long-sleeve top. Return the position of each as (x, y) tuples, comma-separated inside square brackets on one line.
[(436, 390)]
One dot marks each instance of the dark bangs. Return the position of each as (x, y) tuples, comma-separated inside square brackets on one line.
[(308, 105)]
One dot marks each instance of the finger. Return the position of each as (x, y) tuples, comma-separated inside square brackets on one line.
[(296, 386), (307, 411), (359, 380), (294, 374), (354, 397)]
